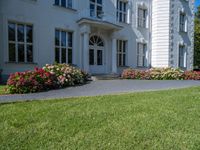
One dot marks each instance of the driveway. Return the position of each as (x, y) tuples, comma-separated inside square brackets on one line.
[(102, 87)]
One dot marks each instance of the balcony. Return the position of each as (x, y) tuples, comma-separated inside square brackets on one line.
[(99, 18)]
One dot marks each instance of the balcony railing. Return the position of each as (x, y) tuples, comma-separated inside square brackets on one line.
[(98, 15)]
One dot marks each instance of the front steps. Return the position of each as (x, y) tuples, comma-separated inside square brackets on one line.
[(105, 77)]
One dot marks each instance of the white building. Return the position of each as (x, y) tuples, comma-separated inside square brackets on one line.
[(99, 36)]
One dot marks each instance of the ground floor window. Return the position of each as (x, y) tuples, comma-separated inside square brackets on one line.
[(141, 54), (182, 56), (63, 46), (121, 53), (20, 42)]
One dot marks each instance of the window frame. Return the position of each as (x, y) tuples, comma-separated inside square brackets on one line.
[(182, 64), (95, 10), (144, 54), (59, 3), (60, 47), (182, 22), (142, 21), (16, 42), (123, 13), (121, 51)]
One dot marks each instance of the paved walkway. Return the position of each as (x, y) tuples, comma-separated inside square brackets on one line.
[(102, 88)]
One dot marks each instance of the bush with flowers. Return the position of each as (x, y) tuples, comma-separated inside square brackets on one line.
[(67, 75), (160, 74), (31, 81)]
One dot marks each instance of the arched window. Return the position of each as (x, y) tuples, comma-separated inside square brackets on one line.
[(96, 40)]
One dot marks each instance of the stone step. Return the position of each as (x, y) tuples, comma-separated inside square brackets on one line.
[(105, 77)]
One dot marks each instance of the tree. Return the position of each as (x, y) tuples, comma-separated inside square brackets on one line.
[(197, 39)]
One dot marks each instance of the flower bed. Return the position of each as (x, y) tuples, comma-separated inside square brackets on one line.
[(160, 74), (47, 78)]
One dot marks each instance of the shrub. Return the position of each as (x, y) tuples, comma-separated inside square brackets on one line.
[(191, 75), (135, 74), (153, 74), (66, 74), (31, 81), (166, 74)]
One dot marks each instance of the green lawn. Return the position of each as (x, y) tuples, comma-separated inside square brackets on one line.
[(2, 89), (151, 120)]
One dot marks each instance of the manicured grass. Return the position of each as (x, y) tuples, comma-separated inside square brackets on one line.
[(2, 89), (151, 120)]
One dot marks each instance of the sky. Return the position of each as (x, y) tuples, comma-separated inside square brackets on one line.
[(197, 3)]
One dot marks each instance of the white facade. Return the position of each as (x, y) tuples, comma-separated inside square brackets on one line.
[(107, 35)]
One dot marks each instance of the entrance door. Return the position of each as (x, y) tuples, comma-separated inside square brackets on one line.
[(96, 55)]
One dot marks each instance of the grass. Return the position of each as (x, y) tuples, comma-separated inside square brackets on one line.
[(150, 120), (2, 90)]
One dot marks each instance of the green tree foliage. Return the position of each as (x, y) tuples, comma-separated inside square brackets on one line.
[(197, 39)]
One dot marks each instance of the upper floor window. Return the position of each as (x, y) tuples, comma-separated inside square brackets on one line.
[(96, 8), (121, 11), (141, 54), (142, 17), (121, 53), (20, 42), (183, 23), (182, 56), (64, 3), (63, 46)]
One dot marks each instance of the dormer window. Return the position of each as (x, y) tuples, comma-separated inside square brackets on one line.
[(121, 11), (64, 3), (96, 8)]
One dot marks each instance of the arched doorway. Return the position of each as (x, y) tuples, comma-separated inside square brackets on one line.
[(96, 55)]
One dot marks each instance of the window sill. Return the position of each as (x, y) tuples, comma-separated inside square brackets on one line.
[(65, 8), (21, 63)]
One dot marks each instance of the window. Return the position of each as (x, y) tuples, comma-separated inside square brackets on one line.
[(121, 11), (64, 3), (182, 56), (142, 17), (141, 54), (96, 8), (20, 42), (63, 46), (121, 53), (183, 23)]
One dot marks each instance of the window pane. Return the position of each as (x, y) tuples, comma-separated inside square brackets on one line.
[(70, 39), (120, 59), (12, 53), (63, 39), (91, 56), (64, 55), (57, 37), (63, 3), (99, 1), (69, 3), (21, 55), (99, 57), (29, 32), (92, 11), (124, 59), (20, 33), (11, 31), (57, 2), (29, 53), (57, 55), (70, 54)]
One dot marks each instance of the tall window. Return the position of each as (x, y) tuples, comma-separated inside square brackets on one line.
[(121, 11), (20, 39), (183, 22), (121, 53), (96, 8), (142, 17), (182, 56), (63, 46), (141, 54), (64, 3)]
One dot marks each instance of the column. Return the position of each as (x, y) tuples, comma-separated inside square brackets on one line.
[(114, 55), (85, 51)]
